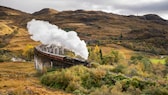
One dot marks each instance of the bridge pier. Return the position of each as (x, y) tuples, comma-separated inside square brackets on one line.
[(42, 64)]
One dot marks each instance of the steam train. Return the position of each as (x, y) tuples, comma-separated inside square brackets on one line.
[(60, 59)]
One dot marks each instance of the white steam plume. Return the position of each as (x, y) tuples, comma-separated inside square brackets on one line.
[(47, 33)]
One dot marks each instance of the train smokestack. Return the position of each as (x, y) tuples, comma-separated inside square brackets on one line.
[(50, 34)]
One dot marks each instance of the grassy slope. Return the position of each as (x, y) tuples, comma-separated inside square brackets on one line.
[(20, 79), (125, 51), (4, 29), (19, 40), (157, 60), (128, 53)]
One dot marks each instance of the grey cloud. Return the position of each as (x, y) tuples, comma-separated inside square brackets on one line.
[(116, 6), (152, 7)]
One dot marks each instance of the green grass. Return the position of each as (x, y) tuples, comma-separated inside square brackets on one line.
[(157, 60)]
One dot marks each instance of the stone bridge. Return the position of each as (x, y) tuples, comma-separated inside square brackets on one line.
[(48, 57)]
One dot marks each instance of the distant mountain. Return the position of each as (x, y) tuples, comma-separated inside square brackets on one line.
[(153, 17), (46, 11), (147, 33)]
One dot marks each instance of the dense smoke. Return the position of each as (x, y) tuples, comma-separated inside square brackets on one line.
[(47, 33)]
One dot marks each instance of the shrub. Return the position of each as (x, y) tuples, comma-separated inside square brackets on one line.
[(147, 64), (94, 64), (93, 78), (166, 61), (119, 68), (28, 52), (78, 79), (98, 80), (105, 90), (4, 58), (64, 79), (108, 60), (143, 62), (73, 86), (95, 54), (156, 91), (137, 57)]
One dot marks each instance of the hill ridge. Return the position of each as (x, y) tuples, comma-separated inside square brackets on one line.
[(45, 11)]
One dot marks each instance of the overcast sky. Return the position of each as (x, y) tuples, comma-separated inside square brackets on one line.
[(123, 7)]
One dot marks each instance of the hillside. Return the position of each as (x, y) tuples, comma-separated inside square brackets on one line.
[(14, 36), (115, 68), (147, 33)]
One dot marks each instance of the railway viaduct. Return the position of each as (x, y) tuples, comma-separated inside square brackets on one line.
[(48, 57)]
